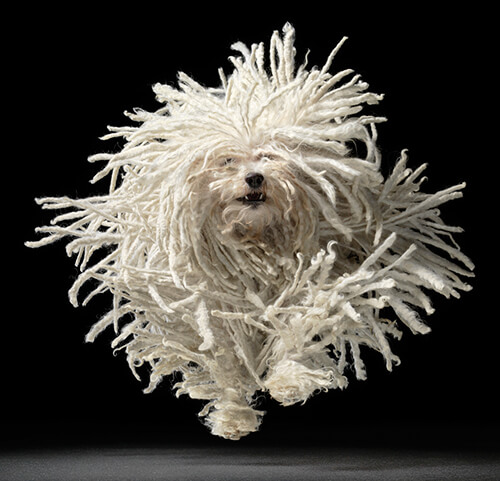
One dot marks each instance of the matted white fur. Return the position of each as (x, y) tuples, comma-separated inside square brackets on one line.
[(267, 288)]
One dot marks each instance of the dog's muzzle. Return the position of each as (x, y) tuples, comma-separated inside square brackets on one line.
[(256, 196)]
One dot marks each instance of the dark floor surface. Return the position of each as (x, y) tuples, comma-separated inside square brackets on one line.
[(127, 452), (179, 464)]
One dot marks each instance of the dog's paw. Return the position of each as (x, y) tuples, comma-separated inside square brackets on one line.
[(232, 418), (291, 382)]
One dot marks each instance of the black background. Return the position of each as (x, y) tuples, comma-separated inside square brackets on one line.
[(73, 71)]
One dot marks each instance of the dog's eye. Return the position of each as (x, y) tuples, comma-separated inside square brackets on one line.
[(228, 161)]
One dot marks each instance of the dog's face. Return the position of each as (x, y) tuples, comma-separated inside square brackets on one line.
[(257, 198)]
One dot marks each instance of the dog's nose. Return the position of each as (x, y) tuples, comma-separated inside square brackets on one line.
[(254, 180)]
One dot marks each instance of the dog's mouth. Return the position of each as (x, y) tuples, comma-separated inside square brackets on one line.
[(253, 198)]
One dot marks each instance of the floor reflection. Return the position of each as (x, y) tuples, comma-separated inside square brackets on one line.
[(179, 464)]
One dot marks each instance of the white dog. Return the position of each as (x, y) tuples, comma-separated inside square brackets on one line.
[(247, 246)]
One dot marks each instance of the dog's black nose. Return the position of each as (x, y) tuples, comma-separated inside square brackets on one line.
[(254, 180)]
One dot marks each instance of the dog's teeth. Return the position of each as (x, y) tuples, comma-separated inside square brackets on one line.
[(253, 197)]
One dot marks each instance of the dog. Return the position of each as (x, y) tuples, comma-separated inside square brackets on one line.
[(249, 240)]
